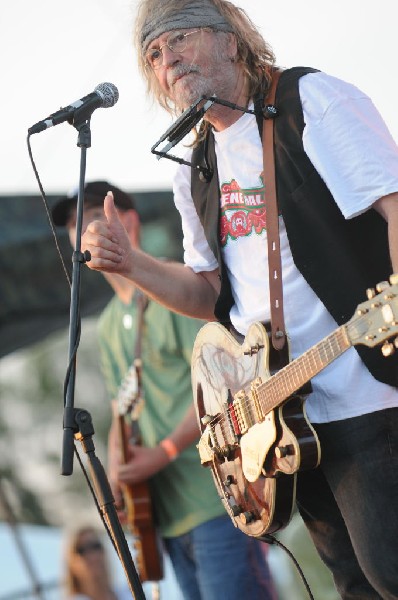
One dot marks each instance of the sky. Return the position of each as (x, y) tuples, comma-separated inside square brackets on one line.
[(53, 53)]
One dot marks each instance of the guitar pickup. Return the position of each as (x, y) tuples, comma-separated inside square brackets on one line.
[(245, 413)]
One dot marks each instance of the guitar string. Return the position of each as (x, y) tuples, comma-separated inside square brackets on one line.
[(315, 359), (272, 392), (311, 362), (286, 381)]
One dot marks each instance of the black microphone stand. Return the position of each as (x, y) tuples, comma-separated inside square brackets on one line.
[(77, 422)]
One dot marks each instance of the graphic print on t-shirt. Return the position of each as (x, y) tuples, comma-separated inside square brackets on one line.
[(242, 211)]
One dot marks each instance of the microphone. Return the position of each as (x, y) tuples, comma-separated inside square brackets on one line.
[(104, 95), (183, 125)]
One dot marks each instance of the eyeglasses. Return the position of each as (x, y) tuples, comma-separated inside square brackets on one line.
[(176, 42), (89, 547)]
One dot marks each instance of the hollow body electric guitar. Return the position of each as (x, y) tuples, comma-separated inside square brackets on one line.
[(137, 498), (255, 433)]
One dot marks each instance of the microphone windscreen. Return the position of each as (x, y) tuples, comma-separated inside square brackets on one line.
[(109, 94)]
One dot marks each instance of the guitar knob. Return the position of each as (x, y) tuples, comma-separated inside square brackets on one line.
[(282, 451), (247, 517), (394, 279), (236, 510), (206, 419), (228, 452), (388, 349), (370, 293), (229, 480), (383, 285)]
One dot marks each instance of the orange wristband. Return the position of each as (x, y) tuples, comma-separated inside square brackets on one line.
[(170, 448)]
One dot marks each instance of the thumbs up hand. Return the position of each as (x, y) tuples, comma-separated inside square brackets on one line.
[(108, 242)]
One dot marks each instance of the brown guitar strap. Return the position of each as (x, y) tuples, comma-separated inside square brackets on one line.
[(278, 334)]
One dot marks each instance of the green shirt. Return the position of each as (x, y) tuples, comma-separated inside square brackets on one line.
[(183, 494)]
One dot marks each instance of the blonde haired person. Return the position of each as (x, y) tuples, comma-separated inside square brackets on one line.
[(87, 574)]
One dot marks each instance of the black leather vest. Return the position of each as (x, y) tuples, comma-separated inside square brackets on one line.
[(339, 258)]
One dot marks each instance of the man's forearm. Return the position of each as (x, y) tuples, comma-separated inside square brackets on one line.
[(187, 431), (175, 286)]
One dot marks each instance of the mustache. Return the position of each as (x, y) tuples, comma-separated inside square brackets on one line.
[(180, 70)]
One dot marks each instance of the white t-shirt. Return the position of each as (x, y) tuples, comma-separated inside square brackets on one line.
[(351, 148)]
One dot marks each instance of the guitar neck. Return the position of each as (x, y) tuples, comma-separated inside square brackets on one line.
[(123, 448), (294, 375)]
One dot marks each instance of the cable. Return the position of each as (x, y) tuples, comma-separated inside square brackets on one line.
[(270, 539), (74, 352), (44, 198)]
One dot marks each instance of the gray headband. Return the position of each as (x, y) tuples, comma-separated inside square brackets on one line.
[(198, 13)]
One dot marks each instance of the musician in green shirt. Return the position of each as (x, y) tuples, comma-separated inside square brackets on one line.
[(211, 558), (183, 492)]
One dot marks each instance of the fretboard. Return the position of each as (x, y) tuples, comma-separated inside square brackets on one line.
[(292, 377)]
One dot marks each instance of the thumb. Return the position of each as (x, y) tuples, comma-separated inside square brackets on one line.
[(110, 209)]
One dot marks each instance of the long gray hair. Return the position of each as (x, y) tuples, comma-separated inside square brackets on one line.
[(253, 52)]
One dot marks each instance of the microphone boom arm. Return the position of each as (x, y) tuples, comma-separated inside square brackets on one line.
[(178, 130), (183, 125)]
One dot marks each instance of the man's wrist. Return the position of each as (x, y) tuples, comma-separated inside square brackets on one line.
[(170, 448)]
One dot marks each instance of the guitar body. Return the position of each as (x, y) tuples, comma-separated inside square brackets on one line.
[(138, 506), (254, 456)]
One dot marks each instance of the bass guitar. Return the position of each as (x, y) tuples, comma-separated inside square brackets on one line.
[(255, 433)]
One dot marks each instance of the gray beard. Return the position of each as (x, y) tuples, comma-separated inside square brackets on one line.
[(188, 92), (188, 89)]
